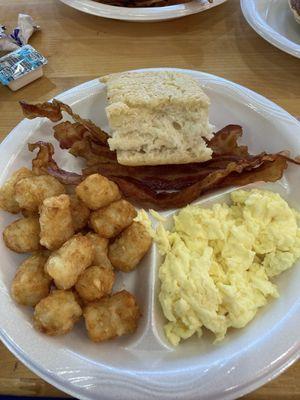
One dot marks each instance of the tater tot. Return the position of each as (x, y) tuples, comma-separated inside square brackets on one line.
[(109, 221), (7, 191), (94, 283), (111, 316), (31, 283), (23, 235), (56, 221), (129, 247), (96, 191), (57, 313), (101, 249), (32, 191), (80, 213), (67, 263)]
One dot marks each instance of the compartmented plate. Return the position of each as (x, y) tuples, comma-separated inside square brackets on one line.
[(144, 365)]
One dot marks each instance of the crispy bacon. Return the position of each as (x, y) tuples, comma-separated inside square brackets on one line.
[(44, 163), (68, 133), (157, 178), (150, 186), (96, 133), (225, 142), (163, 177), (92, 152), (265, 167), (51, 111)]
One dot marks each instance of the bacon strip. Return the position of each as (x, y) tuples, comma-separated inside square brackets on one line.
[(150, 186), (68, 133), (265, 167), (53, 111), (44, 163), (97, 133), (225, 141), (166, 177)]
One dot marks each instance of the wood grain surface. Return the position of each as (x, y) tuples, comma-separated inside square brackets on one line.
[(80, 47)]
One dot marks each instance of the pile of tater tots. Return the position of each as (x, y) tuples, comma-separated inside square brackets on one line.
[(78, 239)]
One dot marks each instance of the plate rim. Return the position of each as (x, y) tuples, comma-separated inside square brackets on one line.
[(291, 355), (141, 14), (266, 31)]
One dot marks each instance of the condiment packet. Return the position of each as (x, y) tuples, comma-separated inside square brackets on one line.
[(21, 67), (6, 43), (20, 35)]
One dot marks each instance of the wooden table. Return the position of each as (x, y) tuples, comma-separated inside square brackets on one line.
[(81, 47)]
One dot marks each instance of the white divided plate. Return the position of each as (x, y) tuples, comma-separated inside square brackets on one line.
[(141, 14), (144, 366), (274, 21)]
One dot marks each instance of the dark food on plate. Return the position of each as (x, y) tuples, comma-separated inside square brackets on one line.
[(144, 3), (295, 7), (295, 4), (150, 186), (72, 274)]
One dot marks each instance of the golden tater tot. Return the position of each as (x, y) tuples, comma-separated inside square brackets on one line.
[(111, 316), (101, 249), (32, 191), (67, 263), (109, 221), (57, 313), (96, 191), (7, 191), (94, 283), (129, 247), (23, 235), (31, 283), (56, 221), (80, 213)]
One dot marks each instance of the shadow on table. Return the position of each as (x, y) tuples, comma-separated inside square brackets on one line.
[(183, 41), (197, 22), (39, 89)]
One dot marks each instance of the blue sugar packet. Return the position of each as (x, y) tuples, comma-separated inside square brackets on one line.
[(19, 63)]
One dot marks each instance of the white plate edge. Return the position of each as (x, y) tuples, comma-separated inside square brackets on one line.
[(266, 32), (142, 14)]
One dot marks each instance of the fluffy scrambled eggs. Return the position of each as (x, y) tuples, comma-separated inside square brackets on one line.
[(219, 261)]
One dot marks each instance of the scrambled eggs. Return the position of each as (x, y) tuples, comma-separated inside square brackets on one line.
[(219, 261)]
